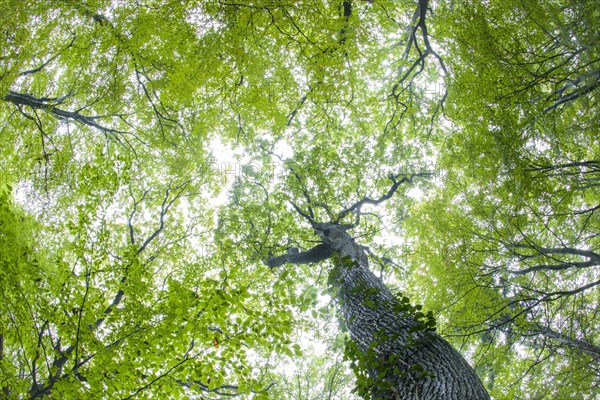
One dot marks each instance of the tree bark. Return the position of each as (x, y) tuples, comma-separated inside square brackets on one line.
[(400, 356)]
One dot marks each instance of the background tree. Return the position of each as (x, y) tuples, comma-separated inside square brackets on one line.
[(515, 215)]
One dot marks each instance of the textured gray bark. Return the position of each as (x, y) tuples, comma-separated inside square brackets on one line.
[(404, 361)]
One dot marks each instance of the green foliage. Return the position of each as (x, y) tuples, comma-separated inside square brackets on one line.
[(499, 237), (128, 244), (376, 374)]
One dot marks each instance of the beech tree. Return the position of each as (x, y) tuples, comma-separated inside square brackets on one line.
[(393, 347), (215, 199)]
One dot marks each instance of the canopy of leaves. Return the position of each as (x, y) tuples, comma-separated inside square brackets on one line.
[(151, 152)]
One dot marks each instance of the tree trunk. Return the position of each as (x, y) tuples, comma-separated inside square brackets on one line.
[(396, 354)]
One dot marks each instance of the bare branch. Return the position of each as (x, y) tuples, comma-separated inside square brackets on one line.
[(45, 63), (593, 258), (366, 200), (166, 205), (318, 253), (129, 220), (581, 345), (45, 104), (306, 216)]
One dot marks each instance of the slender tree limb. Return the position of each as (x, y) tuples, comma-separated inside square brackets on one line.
[(46, 104), (559, 250), (579, 344), (47, 62), (395, 185), (554, 267)]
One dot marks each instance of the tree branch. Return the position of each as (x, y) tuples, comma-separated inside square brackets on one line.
[(582, 345), (593, 258), (45, 104), (367, 200), (318, 253)]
